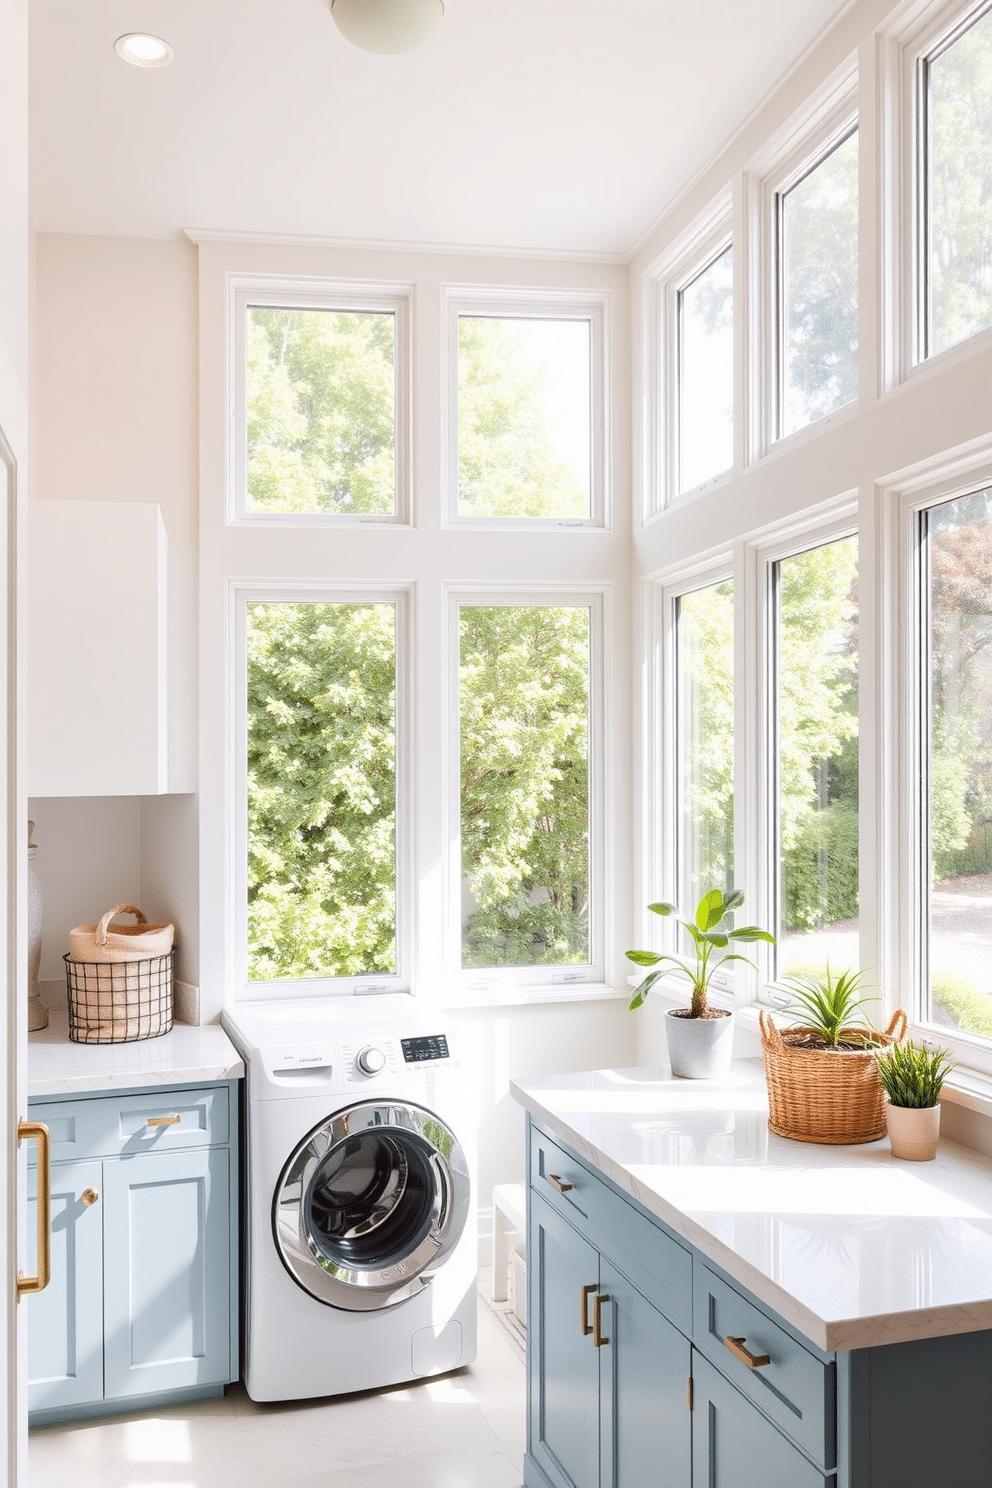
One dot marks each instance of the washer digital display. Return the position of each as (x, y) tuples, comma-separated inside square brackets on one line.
[(429, 1046)]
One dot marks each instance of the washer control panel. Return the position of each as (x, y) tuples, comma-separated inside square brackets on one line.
[(426, 1047)]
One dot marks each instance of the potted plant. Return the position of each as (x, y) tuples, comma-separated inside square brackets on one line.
[(912, 1077), (699, 1037), (822, 1077)]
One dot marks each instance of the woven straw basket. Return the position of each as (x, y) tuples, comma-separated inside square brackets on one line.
[(828, 1096), (124, 942)]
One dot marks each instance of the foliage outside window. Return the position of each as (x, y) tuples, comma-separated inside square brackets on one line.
[(956, 539), (816, 716), (957, 186), (524, 417), (818, 289), (524, 722), (321, 411), (704, 728), (705, 310), (321, 790)]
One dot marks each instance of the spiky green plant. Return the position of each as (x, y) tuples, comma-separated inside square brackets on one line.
[(827, 1005), (711, 931), (913, 1075)]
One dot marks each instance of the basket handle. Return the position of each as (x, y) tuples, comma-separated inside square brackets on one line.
[(118, 909), (770, 1035), (899, 1021)]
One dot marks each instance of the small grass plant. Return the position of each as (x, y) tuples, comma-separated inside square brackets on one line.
[(827, 1006), (912, 1074)]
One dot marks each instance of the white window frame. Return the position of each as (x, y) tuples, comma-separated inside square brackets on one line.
[(905, 853), (831, 116), (538, 304), (708, 237), (486, 983), (758, 842), (302, 294), (242, 593)]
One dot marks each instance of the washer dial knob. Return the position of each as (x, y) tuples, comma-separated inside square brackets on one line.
[(371, 1060)]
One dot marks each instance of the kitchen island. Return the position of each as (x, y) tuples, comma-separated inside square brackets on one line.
[(831, 1306)]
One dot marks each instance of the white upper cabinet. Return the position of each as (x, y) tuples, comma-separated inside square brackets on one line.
[(98, 652)]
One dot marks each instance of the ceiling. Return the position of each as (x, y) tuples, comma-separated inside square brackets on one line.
[(522, 124)]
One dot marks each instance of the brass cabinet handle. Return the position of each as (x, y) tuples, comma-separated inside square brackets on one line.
[(90, 1196), (28, 1131), (598, 1336), (584, 1323), (559, 1183), (737, 1348), (163, 1121)]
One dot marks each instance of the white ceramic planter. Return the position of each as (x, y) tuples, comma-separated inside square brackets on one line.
[(699, 1048), (913, 1131)]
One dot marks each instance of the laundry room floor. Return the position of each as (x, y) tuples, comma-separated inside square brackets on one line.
[(464, 1430)]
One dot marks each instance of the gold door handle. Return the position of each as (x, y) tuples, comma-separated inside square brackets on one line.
[(36, 1131), (90, 1196), (737, 1348), (598, 1336), (163, 1121), (559, 1183), (584, 1322)]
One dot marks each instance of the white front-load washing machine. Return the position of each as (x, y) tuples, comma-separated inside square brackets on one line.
[(360, 1238)]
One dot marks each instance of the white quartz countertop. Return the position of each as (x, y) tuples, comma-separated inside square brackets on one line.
[(184, 1056), (850, 1245)]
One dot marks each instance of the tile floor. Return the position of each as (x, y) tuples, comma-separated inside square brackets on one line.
[(464, 1430)]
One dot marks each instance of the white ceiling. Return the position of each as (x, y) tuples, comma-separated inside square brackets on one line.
[(544, 124)]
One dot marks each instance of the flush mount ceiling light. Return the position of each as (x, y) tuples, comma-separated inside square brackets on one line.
[(387, 26), (142, 50)]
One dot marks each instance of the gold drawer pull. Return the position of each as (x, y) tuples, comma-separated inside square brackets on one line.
[(598, 1336), (737, 1348), (37, 1131), (90, 1196), (559, 1183), (163, 1121), (584, 1322)]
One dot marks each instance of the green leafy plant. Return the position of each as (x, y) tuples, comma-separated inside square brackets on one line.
[(827, 1006), (913, 1075), (711, 932)]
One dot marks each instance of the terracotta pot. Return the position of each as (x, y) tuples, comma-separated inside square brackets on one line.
[(699, 1048), (913, 1131)]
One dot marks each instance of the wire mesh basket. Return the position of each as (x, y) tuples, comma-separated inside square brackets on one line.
[(119, 1002)]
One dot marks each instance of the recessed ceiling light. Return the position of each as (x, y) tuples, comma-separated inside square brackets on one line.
[(142, 50)]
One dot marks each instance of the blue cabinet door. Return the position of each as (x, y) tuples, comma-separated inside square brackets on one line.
[(65, 1321), (167, 1265), (645, 1369), (734, 1446), (563, 1377)]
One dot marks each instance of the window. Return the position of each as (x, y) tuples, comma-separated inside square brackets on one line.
[(956, 185), (956, 570), (526, 788), (320, 379), (705, 383), (527, 409), (704, 732), (321, 789), (817, 276), (814, 602)]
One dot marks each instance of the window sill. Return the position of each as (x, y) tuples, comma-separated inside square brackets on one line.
[(521, 996)]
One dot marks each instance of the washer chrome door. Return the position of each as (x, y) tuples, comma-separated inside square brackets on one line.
[(370, 1204)]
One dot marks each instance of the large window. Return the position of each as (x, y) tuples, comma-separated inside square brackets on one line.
[(956, 546), (524, 710), (705, 375), (704, 732), (814, 601), (321, 790), (817, 231), (956, 187)]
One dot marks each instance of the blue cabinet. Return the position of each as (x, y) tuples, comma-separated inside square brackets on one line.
[(142, 1304)]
